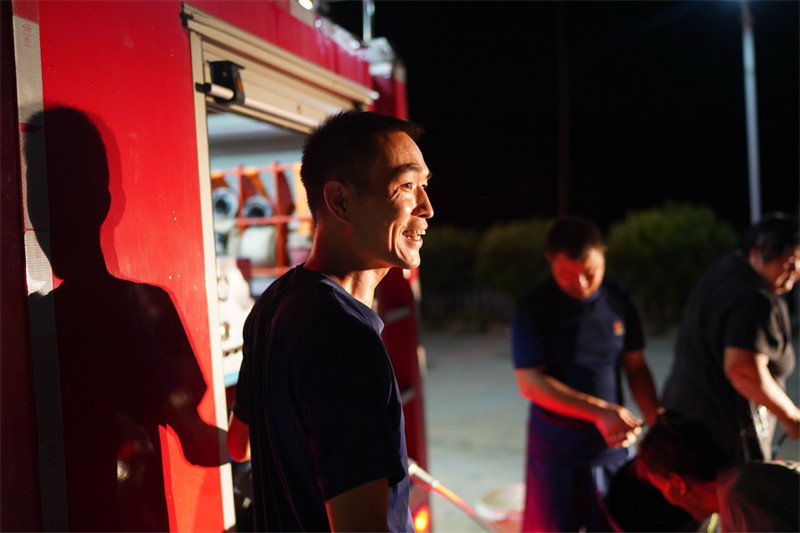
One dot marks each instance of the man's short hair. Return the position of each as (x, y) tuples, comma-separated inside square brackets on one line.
[(344, 147), (680, 444), (573, 236), (773, 235)]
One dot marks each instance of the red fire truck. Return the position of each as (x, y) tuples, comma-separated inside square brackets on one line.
[(149, 192)]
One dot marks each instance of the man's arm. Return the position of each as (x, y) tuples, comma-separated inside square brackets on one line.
[(618, 426), (360, 509), (749, 374), (238, 440), (642, 386)]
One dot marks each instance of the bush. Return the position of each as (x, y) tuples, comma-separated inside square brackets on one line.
[(510, 258), (447, 258), (660, 253), (450, 296)]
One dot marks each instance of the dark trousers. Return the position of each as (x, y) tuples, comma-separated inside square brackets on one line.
[(566, 497)]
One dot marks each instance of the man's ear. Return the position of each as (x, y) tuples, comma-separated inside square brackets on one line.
[(678, 482), (335, 194), (755, 258)]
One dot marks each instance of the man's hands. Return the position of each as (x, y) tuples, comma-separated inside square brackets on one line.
[(618, 426)]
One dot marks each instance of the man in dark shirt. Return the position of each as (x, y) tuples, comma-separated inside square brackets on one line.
[(571, 334), (734, 348), (316, 396)]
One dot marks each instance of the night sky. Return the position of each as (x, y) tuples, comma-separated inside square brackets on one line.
[(653, 93)]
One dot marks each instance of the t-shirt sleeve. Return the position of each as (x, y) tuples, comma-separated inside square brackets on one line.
[(241, 407), (527, 344), (349, 404), (748, 324)]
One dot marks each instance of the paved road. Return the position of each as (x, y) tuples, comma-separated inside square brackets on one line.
[(476, 419)]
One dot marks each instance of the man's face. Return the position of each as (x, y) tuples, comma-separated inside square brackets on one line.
[(579, 278), (390, 218), (678, 493), (781, 273)]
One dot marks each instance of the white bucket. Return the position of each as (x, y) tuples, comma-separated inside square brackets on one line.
[(503, 507)]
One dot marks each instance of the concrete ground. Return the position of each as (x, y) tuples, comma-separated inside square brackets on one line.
[(476, 419)]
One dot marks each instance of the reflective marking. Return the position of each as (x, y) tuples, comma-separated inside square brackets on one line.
[(39, 278)]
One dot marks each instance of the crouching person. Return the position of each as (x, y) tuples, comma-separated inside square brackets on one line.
[(679, 457)]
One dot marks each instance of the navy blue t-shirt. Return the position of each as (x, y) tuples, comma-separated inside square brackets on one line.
[(579, 342), (318, 392)]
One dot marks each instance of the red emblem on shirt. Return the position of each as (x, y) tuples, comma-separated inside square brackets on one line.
[(619, 328)]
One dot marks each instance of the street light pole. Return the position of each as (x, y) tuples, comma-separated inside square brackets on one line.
[(367, 15), (751, 110)]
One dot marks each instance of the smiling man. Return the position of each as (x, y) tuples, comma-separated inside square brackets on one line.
[(571, 334), (317, 402)]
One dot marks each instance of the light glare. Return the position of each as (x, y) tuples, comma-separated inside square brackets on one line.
[(422, 519)]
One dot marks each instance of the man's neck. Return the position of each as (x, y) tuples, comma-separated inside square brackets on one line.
[(360, 283), (706, 493)]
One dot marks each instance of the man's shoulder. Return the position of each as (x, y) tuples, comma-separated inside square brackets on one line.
[(541, 304), (616, 289), (543, 291), (729, 275), (730, 284), (310, 297), (297, 284), (297, 294)]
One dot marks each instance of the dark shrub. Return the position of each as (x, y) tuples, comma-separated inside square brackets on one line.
[(448, 255), (510, 256), (661, 252)]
